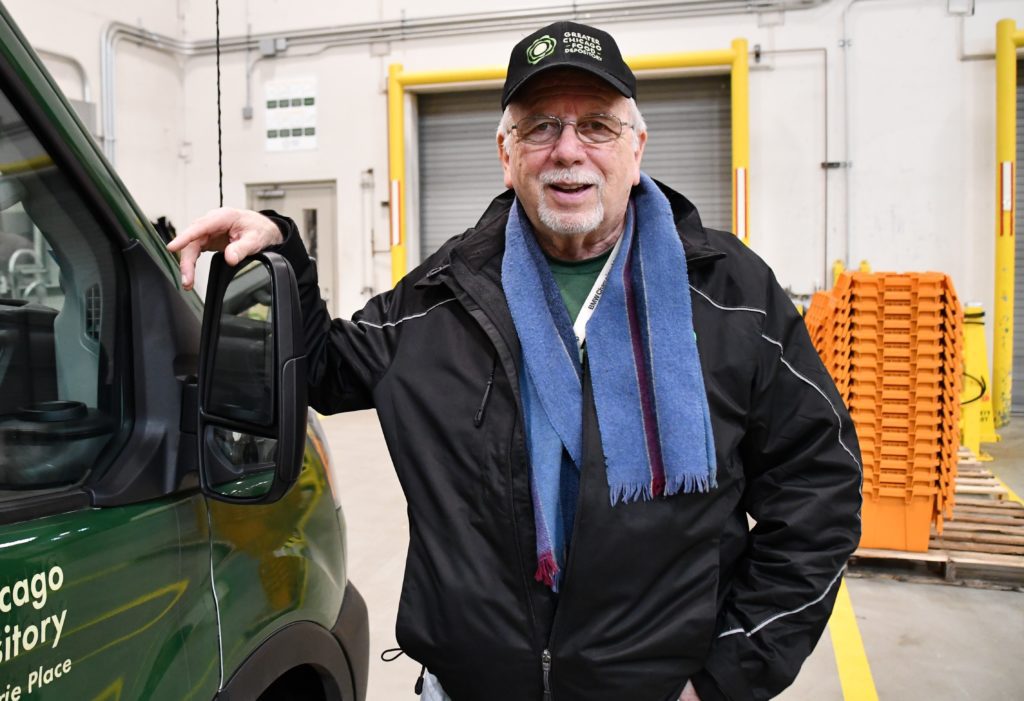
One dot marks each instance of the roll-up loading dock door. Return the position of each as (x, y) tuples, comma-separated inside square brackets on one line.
[(459, 168), (689, 148)]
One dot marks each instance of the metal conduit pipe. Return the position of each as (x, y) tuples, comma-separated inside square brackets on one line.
[(962, 50), (453, 25), (112, 36), (420, 28), (83, 77)]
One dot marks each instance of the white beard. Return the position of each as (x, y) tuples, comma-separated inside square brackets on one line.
[(572, 223)]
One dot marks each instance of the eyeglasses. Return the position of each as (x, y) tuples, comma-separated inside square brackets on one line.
[(591, 129)]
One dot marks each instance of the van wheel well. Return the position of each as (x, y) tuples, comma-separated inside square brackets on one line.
[(297, 684)]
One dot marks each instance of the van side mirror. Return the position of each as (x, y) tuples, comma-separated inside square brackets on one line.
[(252, 381)]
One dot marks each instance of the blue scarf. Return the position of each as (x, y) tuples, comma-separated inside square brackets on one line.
[(652, 410)]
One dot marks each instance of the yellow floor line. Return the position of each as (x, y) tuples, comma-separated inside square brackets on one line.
[(851, 660), (1009, 492)]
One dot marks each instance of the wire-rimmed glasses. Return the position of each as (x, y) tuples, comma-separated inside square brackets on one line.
[(544, 130)]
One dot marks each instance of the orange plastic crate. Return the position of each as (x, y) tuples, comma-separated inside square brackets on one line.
[(891, 522)]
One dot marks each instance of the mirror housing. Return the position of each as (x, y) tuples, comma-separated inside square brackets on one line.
[(252, 398)]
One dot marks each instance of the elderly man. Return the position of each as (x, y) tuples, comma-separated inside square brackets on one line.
[(584, 396)]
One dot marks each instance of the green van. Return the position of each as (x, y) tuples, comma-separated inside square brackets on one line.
[(168, 527)]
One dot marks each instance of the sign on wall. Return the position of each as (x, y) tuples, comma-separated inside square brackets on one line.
[(291, 114)]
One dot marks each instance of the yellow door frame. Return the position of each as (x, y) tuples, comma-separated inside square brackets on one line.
[(1008, 40), (735, 58)]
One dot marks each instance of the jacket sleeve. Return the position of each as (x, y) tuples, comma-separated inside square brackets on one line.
[(803, 475), (344, 359)]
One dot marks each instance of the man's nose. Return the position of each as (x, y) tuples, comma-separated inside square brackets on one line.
[(568, 149)]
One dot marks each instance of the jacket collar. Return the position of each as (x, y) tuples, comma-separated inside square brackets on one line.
[(487, 239)]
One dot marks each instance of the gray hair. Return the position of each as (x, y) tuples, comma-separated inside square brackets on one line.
[(635, 119)]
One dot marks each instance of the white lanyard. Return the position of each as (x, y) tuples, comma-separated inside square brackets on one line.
[(587, 310)]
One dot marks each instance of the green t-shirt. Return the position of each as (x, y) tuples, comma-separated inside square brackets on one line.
[(575, 279)]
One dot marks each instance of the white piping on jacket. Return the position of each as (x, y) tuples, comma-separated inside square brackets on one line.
[(404, 318), (782, 359), (777, 616), (839, 420), (762, 312)]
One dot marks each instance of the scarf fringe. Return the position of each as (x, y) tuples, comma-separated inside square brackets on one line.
[(648, 390), (690, 484), (687, 484), (627, 493), (547, 571)]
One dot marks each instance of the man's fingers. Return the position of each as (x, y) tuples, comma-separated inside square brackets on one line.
[(187, 264), (252, 233), (216, 222), (236, 251), (192, 233), (237, 233)]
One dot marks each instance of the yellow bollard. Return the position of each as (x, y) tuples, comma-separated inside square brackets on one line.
[(865, 267), (396, 172), (970, 422), (837, 269), (971, 391), (977, 420), (1008, 39), (740, 91)]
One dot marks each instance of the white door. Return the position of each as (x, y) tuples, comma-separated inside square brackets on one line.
[(312, 206)]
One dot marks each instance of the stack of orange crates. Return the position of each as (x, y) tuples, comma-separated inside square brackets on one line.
[(893, 343)]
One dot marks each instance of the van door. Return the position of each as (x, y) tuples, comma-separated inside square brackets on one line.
[(100, 603), (274, 562)]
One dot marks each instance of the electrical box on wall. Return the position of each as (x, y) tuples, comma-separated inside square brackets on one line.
[(86, 111)]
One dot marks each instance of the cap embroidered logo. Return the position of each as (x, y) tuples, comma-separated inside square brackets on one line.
[(577, 43), (542, 48), (571, 45)]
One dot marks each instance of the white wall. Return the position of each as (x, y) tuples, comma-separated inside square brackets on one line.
[(921, 120), (150, 99), (922, 144)]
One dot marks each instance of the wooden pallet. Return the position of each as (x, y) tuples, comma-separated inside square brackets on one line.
[(982, 545), (974, 479)]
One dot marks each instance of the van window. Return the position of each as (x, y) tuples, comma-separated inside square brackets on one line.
[(59, 384)]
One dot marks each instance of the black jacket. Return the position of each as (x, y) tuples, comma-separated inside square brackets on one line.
[(654, 593)]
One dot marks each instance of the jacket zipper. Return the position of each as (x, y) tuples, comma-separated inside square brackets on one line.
[(546, 657), (545, 666), (462, 295), (479, 418)]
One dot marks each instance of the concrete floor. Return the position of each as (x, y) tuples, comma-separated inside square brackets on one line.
[(923, 641)]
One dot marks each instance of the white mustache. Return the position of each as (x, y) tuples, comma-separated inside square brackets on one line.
[(571, 176)]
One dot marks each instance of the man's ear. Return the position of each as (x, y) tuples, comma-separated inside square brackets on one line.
[(506, 166), (639, 154)]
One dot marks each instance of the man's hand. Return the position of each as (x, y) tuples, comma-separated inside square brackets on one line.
[(237, 232), (689, 693)]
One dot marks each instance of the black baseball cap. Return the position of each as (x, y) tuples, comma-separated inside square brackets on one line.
[(567, 45)]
